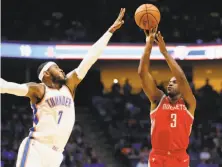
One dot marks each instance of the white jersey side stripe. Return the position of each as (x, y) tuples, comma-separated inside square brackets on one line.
[(188, 112), (35, 110)]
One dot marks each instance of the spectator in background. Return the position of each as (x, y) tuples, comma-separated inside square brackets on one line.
[(204, 157), (127, 88), (142, 162)]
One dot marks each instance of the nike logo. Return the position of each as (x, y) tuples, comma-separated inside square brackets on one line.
[(185, 160)]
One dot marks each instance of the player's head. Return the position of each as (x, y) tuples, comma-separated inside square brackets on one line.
[(172, 88), (50, 72)]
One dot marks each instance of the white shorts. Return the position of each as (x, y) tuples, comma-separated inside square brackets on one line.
[(35, 154)]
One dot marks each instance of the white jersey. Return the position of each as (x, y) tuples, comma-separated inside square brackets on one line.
[(54, 118)]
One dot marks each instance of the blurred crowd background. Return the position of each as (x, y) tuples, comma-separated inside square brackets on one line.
[(112, 127), (124, 121), (85, 21)]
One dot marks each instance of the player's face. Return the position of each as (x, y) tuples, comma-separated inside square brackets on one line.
[(172, 88), (57, 74)]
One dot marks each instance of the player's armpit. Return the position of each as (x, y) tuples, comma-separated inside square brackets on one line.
[(72, 80), (150, 88), (35, 91)]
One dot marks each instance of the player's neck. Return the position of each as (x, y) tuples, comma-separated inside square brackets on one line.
[(174, 98), (57, 86), (53, 85)]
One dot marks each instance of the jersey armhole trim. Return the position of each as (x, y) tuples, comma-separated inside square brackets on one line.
[(188, 112), (72, 93), (43, 97), (151, 112), (186, 104)]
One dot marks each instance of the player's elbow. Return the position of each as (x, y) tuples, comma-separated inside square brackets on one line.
[(141, 75), (180, 75), (181, 78), (193, 100), (141, 72), (190, 98)]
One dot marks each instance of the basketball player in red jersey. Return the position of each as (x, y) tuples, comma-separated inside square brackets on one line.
[(171, 115)]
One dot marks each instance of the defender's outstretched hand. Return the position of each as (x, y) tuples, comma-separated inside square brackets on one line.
[(119, 21), (161, 43)]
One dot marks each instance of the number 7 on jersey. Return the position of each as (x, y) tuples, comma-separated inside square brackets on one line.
[(60, 116)]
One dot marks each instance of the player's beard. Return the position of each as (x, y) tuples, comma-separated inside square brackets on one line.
[(58, 80), (173, 94)]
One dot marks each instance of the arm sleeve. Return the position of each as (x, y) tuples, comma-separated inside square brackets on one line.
[(13, 88), (93, 54)]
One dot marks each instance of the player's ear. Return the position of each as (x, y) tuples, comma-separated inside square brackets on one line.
[(46, 73)]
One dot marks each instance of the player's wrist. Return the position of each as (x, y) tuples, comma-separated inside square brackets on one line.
[(149, 39), (164, 52), (111, 30)]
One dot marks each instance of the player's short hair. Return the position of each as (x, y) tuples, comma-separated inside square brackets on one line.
[(41, 67)]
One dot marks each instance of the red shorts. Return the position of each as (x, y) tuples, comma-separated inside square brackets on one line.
[(161, 158)]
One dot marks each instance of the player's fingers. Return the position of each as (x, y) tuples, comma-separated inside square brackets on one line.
[(150, 31), (122, 12), (156, 41), (119, 16), (156, 27), (158, 36), (153, 29), (161, 36), (145, 32)]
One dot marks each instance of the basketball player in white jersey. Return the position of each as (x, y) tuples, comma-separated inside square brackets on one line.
[(53, 106)]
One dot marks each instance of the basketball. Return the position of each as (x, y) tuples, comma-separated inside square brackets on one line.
[(147, 16)]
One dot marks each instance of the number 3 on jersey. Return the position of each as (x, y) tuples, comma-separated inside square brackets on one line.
[(60, 116), (173, 117)]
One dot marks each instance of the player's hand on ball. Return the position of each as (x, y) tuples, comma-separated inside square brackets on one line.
[(160, 42), (150, 34), (119, 21)]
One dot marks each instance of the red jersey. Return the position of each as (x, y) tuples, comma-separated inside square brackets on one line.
[(170, 125)]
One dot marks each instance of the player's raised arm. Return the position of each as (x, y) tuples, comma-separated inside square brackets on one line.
[(148, 84), (32, 90), (183, 84), (75, 76)]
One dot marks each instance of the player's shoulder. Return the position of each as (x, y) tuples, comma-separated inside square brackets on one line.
[(35, 87), (162, 98), (36, 91), (35, 84), (156, 104)]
